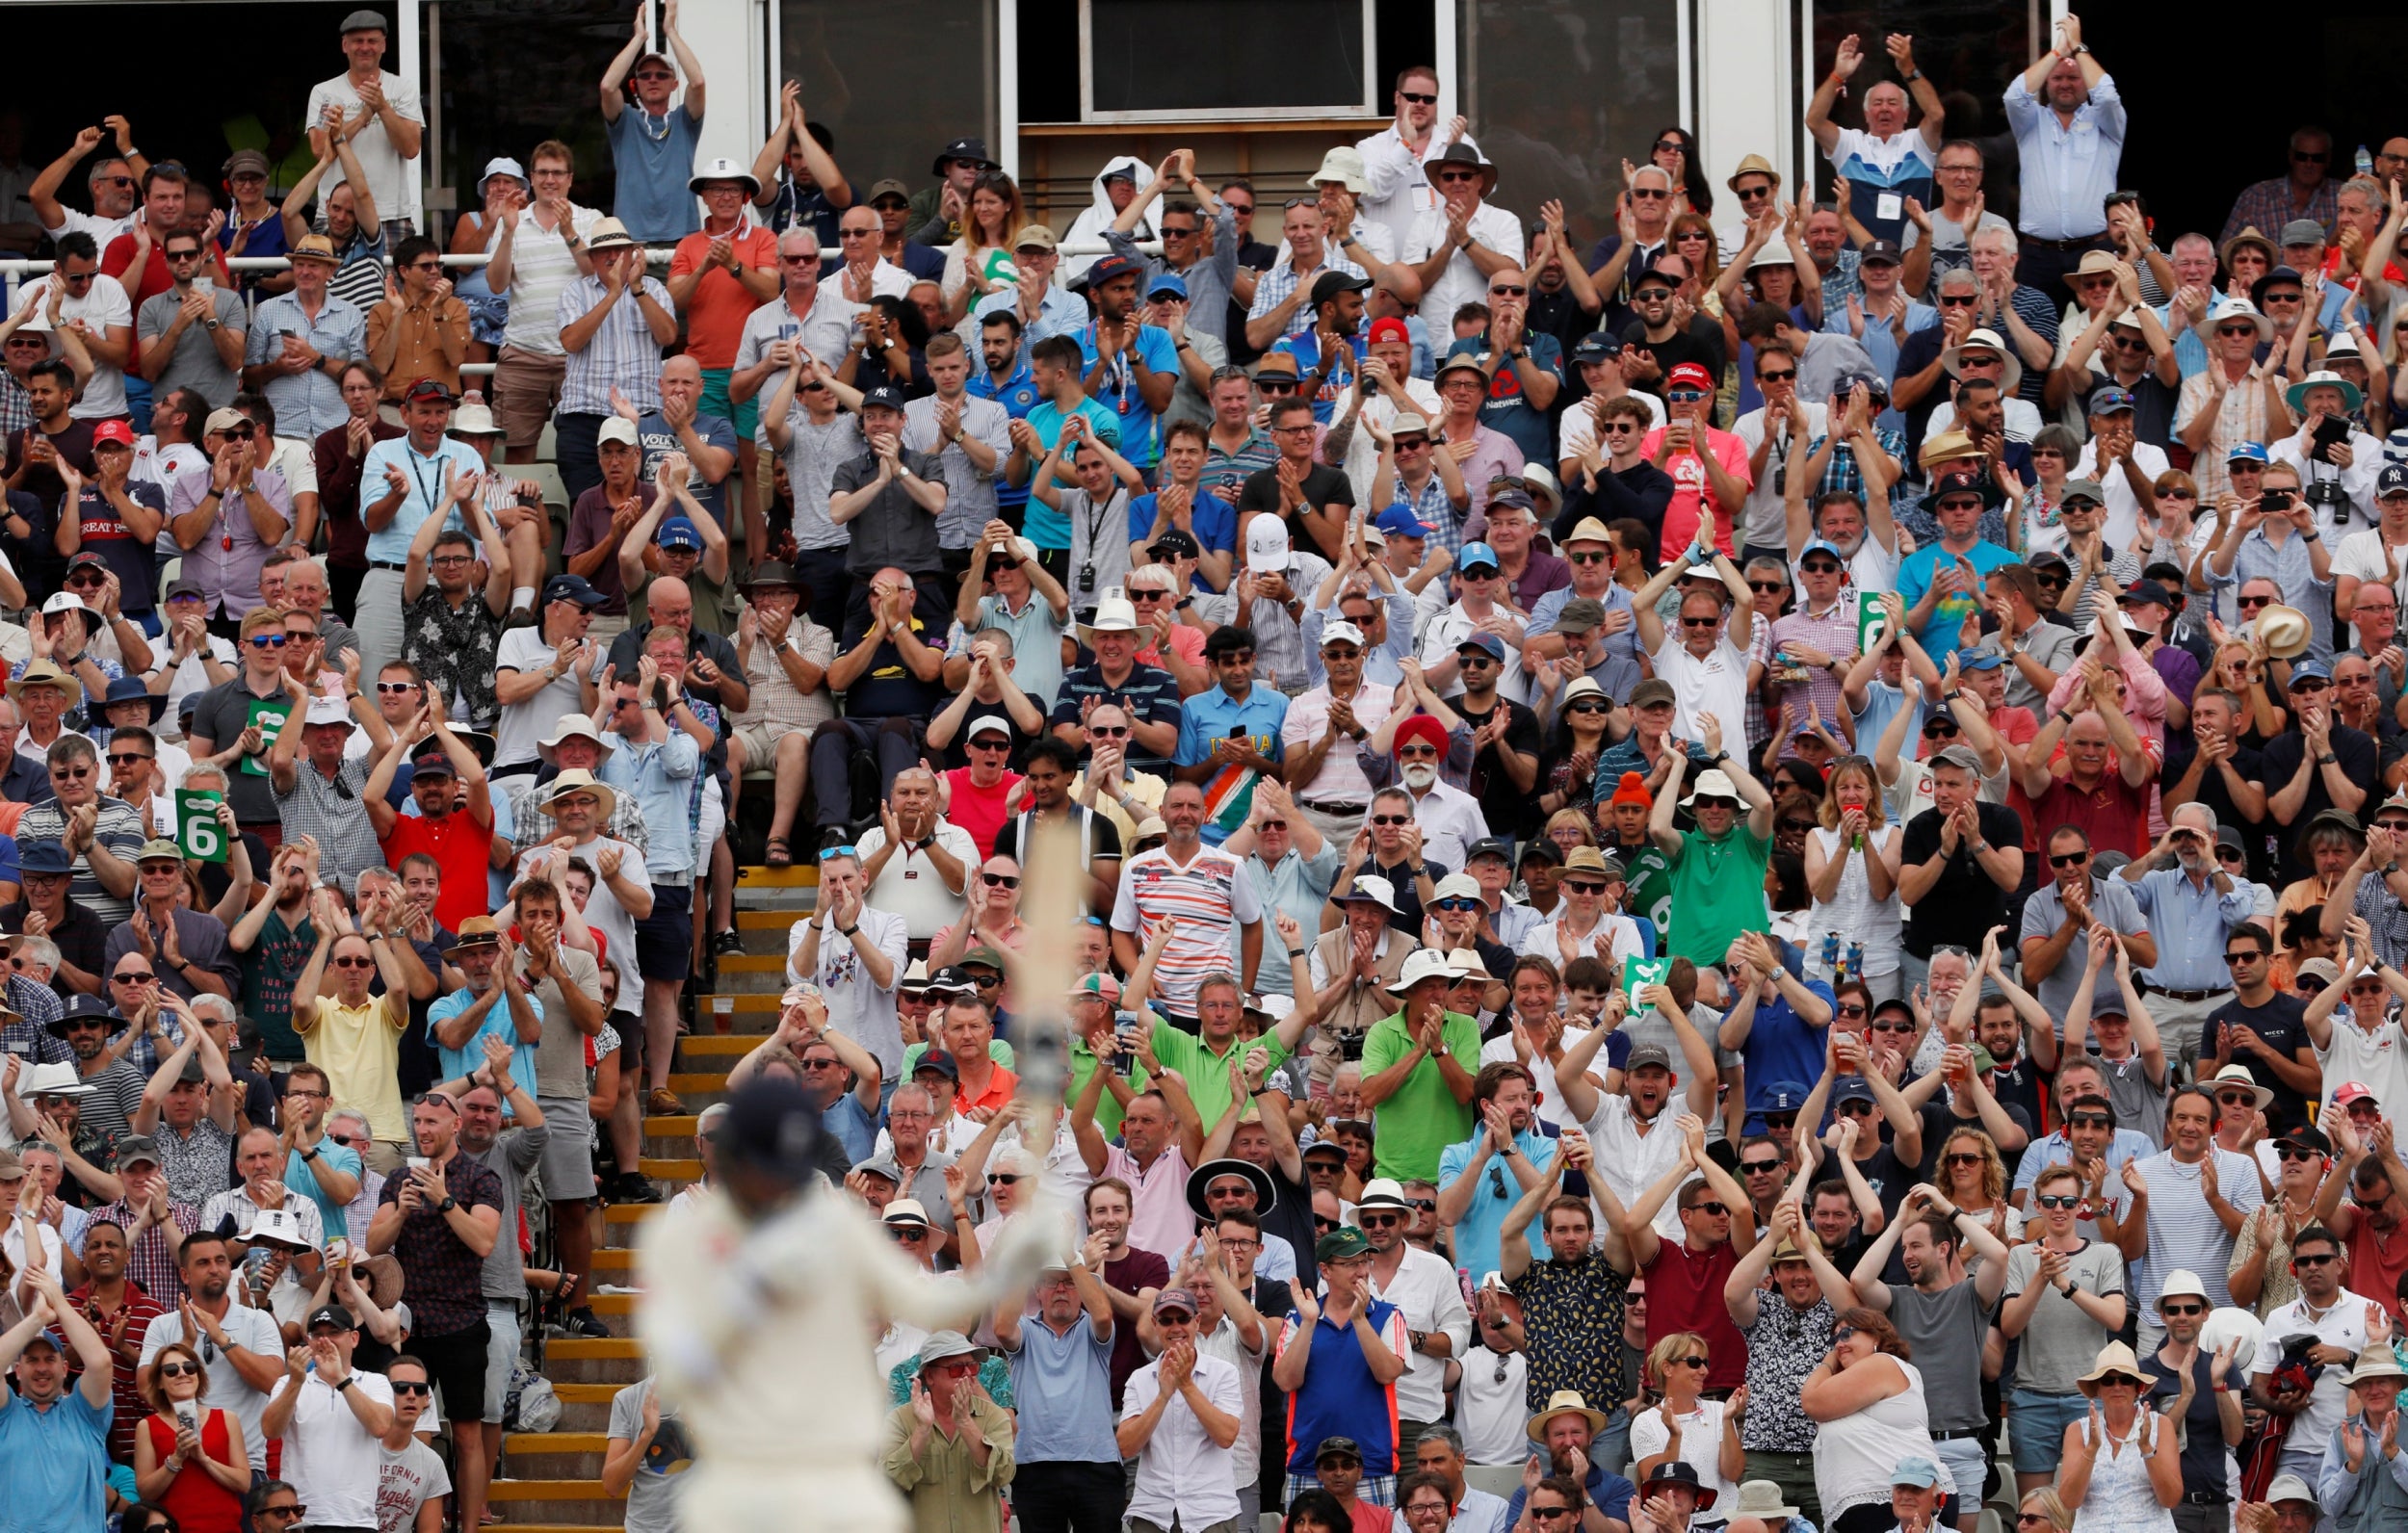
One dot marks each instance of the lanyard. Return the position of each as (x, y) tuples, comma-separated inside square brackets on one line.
[(411, 457)]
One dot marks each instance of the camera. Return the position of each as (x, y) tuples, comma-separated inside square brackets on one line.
[(2275, 501), (1086, 578)]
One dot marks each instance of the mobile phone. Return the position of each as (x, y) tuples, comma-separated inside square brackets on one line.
[(418, 1163)]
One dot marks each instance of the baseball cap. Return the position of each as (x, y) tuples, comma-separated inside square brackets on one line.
[(572, 588), (1597, 346), (2393, 480), (1398, 520), (1881, 252), (1169, 283), (679, 531), (2110, 400), (118, 431), (1470, 555), (887, 397), (1689, 375), (1329, 284), (1488, 644), (618, 429)]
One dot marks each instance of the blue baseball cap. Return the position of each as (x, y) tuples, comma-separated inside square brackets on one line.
[(1783, 1096), (1915, 1471), (679, 531), (1981, 657), (2110, 400), (1471, 553), (1488, 644), (2246, 452), (1111, 269), (2309, 670), (1851, 1088), (1823, 545), (2393, 480), (1400, 521), (1171, 282), (575, 589)]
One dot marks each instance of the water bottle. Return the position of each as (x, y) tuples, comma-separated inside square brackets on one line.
[(1830, 952), (1855, 960), (2363, 161)]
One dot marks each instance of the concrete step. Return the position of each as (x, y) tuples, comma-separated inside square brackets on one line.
[(671, 1171), (553, 1456), (568, 1502), (760, 879)]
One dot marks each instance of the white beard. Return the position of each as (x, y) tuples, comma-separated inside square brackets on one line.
[(1420, 775)]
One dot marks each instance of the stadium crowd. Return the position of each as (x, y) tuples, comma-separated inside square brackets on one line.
[(1737, 879)]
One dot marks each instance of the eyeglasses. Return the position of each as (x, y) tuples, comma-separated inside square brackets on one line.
[(2090, 1120), (410, 1386), (2057, 1200), (999, 880), (179, 1370)]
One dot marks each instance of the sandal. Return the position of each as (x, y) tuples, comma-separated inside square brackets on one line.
[(781, 854)]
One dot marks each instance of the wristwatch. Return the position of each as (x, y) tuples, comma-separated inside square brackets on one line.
[(447, 1204), (344, 1382)]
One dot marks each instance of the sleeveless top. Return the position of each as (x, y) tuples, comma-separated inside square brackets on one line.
[(1853, 913), (2121, 1499), (199, 1503), (1855, 1455)]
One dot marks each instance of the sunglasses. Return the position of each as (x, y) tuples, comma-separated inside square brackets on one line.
[(2296, 1151), (1771, 588), (1962, 301), (1589, 708), (1842, 1332), (1378, 1221), (2247, 603), (2058, 1199), (410, 1386), (2247, 955), (1701, 622), (2070, 859), (1962, 1159), (1584, 886), (1851, 1008), (998, 880), (354, 962), (1682, 396), (2090, 1120), (179, 1370), (136, 977), (1900, 1028), (1109, 731), (1392, 819), (2183, 1309), (1760, 1168), (126, 758), (267, 641), (1457, 903), (1586, 557), (1708, 1207)]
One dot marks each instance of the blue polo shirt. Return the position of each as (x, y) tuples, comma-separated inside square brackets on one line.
[(1043, 525), (1064, 1387), (1213, 519), (1140, 429), (1477, 1234), (302, 1176), (1340, 1397), (58, 1463), (1018, 396), (1781, 1046), (1505, 410), (1305, 347), (1211, 715)]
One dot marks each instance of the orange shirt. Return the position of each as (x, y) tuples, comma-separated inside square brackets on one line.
[(716, 313), (461, 846)]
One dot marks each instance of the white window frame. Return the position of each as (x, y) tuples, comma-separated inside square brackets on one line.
[(1368, 106)]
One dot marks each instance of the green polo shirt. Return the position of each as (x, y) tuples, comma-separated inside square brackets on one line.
[(1206, 1073), (1718, 888), (1416, 1123)]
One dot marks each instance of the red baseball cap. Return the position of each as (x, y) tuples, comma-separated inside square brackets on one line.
[(1388, 329), (1692, 373), (116, 431), (2349, 1091)]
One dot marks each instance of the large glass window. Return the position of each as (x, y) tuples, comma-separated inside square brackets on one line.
[(894, 82), (1968, 51), (1561, 91)]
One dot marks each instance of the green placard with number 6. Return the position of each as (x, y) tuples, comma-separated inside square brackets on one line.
[(196, 827)]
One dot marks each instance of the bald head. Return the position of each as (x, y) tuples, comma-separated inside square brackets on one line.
[(669, 602)]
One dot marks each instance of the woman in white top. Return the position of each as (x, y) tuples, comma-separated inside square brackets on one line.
[(1867, 1402), (980, 262), (1701, 1433), (2122, 1470), (1851, 869)]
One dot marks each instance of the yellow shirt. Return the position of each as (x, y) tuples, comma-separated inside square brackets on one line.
[(1144, 787), (359, 1048)]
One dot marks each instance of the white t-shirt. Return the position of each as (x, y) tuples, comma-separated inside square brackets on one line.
[(1580, 427), (1716, 684), (1761, 516), (2361, 555), (329, 1457), (1701, 1444), (909, 884), (2123, 509), (1450, 629), (74, 220), (524, 723), (603, 911), (542, 269), (103, 303), (408, 1480), (392, 181)]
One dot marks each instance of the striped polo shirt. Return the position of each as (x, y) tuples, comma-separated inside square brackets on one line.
[(1210, 897)]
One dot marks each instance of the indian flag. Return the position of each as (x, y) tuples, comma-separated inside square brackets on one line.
[(1228, 798)]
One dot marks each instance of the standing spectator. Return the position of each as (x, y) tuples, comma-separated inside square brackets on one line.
[(1942, 1315), (1419, 1064), (2065, 1298), (2207, 1404), (54, 1439), (2068, 143), (1685, 1278), (1784, 1329), (1180, 1418), (2190, 901), (382, 120), (1882, 163), (1423, 1288), (1505, 1096), (119, 1309), (949, 1449), (2327, 1325), (350, 1035), (2264, 1030), (420, 329), (103, 834), (454, 821), (442, 1219), (412, 1483), (190, 1459), (1340, 1356), (1068, 1474), (643, 1429), (615, 322), (653, 148), (332, 1421), (1201, 889), (191, 336), (302, 344), (242, 1348), (1572, 1301), (539, 252)]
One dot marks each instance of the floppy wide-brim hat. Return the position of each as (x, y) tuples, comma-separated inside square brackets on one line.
[(580, 781), (2115, 1358), (1265, 1194)]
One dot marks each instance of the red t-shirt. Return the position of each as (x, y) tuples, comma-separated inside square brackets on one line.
[(980, 810), (461, 846), (1684, 1293), (2115, 815), (2375, 1265)]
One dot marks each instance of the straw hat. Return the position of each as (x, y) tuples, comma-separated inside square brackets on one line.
[(2114, 1358)]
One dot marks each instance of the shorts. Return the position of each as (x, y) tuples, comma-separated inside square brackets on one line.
[(665, 939), (629, 1026), (760, 743), (501, 1355), (2036, 1427), (456, 1363), (528, 387), (568, 1152), (745, 417), (713, 824), (1969, 1465)]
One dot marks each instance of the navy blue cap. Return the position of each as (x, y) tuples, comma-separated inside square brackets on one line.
[(888, 397), (1110, 267), (1851, 1088), (1597, 346), (1981, 657), (1783, 1096), (2393, 480), (938, 1060), (572, 588)]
